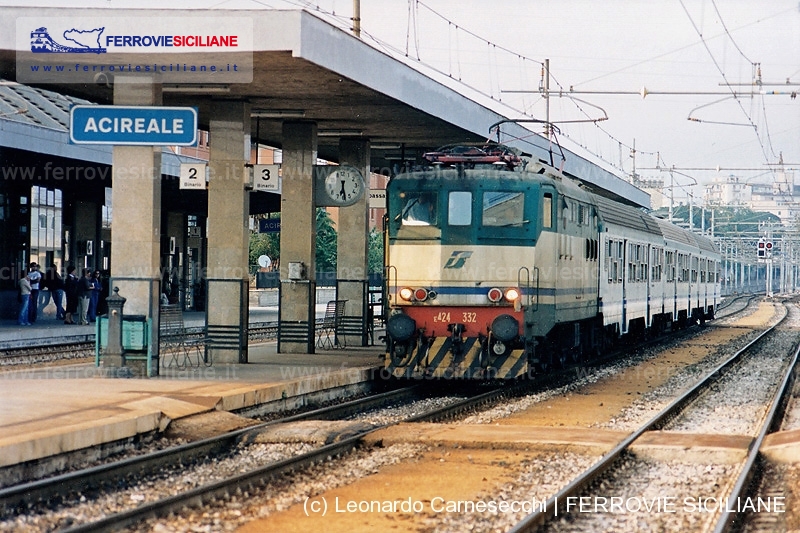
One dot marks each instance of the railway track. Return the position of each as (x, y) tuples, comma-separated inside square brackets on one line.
[(119, 473), (566, 503), (76, 484), (27, 355), (66, 487)]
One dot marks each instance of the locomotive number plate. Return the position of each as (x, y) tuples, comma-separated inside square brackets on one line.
[(441, 317)]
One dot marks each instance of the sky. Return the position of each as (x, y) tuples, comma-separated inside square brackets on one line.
[(710, 52)]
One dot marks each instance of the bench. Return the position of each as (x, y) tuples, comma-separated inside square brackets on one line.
[(184, 350), (333, 317)]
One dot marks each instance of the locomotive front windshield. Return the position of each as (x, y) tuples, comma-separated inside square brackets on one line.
[(418, 209), (484, 211), (503, 208)]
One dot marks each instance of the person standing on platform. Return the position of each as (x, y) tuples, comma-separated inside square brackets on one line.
[(34, 276), (55, 284), (85, 286), (71, 290), (24, 299), (97, 287)]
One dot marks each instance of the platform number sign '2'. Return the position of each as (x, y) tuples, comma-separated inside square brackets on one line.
[(266, 178), (193, 176)]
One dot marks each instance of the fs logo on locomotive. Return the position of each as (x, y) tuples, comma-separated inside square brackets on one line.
[(457, 259)]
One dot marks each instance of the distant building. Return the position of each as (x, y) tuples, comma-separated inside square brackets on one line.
[(655, 188), (728, 191), (781, 197)]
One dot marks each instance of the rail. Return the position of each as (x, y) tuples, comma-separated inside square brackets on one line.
[(556, 505)]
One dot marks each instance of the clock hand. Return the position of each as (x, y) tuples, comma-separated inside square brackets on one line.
[(343, 193)]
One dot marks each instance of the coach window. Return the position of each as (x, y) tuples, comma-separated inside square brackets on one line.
[(547, 211), (501, 208), (459, 208)]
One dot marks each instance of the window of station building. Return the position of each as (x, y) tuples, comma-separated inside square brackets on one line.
[(503, 208), (459, 208), (106, 210), (45, 225)]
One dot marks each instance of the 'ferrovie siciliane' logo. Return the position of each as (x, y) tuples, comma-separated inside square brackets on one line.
[(457, 259), (87, 41)]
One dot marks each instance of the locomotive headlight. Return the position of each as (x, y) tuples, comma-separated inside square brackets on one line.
[(512, 294), (401, 327), (494, 294), (406, 294), (505, 328)]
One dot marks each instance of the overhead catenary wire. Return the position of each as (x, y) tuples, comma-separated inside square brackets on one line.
[(414, 33), (725, 79)]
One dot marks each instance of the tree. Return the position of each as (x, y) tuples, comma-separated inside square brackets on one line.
[(326, 242), (375, 251), (263, 244)]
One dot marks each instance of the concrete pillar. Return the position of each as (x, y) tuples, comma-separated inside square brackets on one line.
[(352, 242), (298, 239), (136, 215), (228, 230)]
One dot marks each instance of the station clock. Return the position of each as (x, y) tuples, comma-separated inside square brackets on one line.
[(338, 186)]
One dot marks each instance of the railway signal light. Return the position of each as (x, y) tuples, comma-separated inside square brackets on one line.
[(764, 249)]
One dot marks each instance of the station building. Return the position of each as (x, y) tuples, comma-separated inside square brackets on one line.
[(56, 208), (55, 200)]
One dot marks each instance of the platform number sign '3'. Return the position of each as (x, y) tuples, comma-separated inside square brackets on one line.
[(266, 177)]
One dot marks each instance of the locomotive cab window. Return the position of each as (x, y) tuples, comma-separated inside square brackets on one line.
[(503, 208), (417, 216), (459, 208), (419, 209), (547, 211)]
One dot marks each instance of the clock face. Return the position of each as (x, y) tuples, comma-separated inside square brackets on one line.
[(343, 185)]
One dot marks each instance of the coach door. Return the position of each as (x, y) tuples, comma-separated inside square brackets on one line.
[(647, 281), (625, 275)]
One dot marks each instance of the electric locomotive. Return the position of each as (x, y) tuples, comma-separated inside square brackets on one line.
[(497, 268)]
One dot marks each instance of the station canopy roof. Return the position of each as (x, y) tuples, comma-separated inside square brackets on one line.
[(306, 69)]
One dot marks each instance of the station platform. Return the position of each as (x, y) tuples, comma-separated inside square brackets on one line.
[(51, 410), (47, 330)]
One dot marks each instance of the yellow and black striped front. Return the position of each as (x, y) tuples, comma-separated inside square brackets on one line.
[(444, 358)]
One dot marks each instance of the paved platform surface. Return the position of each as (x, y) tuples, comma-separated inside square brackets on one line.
[(56, 409)]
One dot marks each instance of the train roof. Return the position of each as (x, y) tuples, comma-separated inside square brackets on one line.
[(674, 233), (624, 215), (609, 211), (629, 217)]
